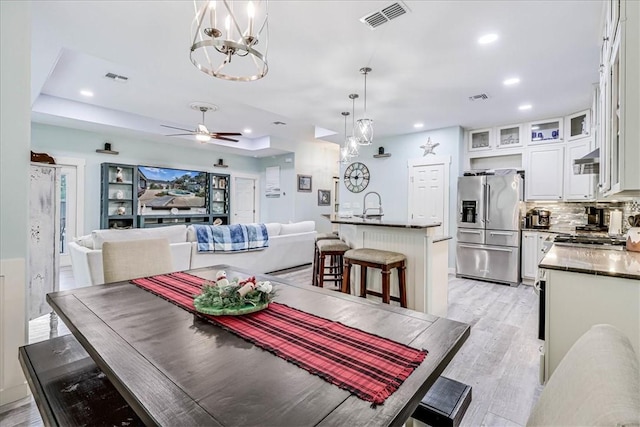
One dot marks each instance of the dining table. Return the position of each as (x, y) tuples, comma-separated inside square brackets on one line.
[(174, 367)]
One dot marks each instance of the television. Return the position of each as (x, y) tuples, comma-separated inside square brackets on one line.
[(171, 191)]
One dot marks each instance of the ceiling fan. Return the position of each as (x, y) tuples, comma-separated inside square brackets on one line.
[(201, 132)]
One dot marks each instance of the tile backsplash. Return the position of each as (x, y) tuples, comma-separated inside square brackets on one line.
[(566, 216)]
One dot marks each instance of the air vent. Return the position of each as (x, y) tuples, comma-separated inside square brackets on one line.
[(379, 17), (116, 77), (479, 97), (279, 123)]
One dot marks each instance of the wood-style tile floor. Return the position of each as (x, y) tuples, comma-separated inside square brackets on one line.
[(500, 360)]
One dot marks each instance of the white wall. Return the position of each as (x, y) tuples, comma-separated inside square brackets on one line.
[(15, 116), (318, 159), (389, 175), (65, 142)]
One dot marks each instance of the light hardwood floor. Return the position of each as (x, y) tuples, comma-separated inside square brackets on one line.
[(499, 360)]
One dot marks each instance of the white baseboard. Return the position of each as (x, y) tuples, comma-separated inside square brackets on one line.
[(452, 271), (13, 329)]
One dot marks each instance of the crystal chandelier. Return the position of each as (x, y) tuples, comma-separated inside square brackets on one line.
[(352, 141), (365, 125), (225, 32)]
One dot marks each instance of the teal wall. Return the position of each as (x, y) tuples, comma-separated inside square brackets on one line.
[(65, 142), (15, 116)]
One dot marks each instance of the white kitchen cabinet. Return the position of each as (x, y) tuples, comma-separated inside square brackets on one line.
[(510, 136), (529, 254), (480, 140), (578, 125), (546, 131), (576, 301), (544, 174), (578, 187), (620, 88), (534, 247)]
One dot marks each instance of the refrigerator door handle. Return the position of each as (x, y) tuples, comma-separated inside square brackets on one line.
[(470, 231), (501, 233), (487, 194), (485, 248)]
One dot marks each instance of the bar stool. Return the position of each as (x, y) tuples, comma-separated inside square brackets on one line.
[(335, 249), (320, 236), (375, 258)]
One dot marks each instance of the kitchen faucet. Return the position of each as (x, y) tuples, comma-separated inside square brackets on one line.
[(364, 205)]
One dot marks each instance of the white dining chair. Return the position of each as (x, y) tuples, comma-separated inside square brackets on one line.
[(131, 259)]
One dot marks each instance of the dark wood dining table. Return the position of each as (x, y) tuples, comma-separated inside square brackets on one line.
[(177, 369)]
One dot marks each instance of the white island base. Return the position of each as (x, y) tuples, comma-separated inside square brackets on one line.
[(427, 260)]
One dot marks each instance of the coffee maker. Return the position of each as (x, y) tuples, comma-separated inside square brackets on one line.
[(595, 220)]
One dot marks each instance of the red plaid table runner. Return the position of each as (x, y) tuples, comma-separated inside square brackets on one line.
[(369, 366)]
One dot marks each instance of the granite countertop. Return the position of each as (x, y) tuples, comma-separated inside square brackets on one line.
[(335, 219), (605, 262), (556, 230)]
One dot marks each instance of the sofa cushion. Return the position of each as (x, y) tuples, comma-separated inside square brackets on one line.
[(298, 227), (173, 233), (273, 228), (86, 241)]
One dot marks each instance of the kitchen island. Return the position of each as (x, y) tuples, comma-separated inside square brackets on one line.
[(586, 286), (427, 258)]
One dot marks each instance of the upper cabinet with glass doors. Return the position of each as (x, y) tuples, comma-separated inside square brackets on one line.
[(480, 139), (509, 136), (546, 131), (578, 125)]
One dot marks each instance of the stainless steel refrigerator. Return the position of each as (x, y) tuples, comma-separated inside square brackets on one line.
[(488, 237)]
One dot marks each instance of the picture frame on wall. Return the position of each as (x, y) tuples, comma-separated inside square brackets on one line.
[(324, 197), (304, 183)]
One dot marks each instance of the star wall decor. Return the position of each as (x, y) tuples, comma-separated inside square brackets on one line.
[(428, 147)]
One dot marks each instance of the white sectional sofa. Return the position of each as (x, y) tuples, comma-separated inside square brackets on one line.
[(290, 245)]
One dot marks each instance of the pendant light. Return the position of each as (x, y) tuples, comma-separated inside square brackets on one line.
[(352, 141), (344, 150), (365, 125)]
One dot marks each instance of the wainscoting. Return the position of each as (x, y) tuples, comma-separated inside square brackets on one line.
[(499, 360)]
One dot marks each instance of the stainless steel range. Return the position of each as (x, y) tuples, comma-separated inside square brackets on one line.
[(488, 237)]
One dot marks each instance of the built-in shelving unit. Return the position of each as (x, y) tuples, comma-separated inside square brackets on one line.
[(122, 207)]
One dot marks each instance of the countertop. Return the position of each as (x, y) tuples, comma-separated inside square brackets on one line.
[(335, 219), (605, 262)]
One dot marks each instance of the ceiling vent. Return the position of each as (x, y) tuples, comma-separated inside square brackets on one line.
[(279, 123), (379, 17), (116, 77), (479, 97)]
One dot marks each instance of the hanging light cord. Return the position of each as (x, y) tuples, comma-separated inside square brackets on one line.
[(365, 94)]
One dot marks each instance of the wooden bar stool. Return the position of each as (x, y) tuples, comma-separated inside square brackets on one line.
[(375, 258), (320, 236), (335, 249)]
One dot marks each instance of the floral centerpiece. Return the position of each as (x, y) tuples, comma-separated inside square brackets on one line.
[(233, 297)]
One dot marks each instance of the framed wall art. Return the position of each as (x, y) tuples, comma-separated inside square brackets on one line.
[(304, 183), (324, 197)]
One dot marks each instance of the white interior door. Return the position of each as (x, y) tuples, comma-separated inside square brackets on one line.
[(244, 200), (71, 207), (428, 192)]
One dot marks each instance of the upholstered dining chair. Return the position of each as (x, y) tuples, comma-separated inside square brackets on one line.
[(131, 259)]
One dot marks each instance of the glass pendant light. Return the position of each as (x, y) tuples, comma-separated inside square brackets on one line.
[(352, 141), (345, 158), (365, 125)]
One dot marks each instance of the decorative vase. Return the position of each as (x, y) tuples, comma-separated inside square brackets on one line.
[(633, 239)]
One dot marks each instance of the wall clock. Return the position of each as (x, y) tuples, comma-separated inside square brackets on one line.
[(356, 177)]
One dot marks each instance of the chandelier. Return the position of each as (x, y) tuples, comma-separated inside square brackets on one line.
[(224, 39), (365, 125)]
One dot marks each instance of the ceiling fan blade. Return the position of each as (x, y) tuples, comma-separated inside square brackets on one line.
[(227, 133), (180, 134), (223, 138), (173, 127)]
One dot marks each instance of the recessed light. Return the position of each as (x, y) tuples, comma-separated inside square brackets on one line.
[(488, 38), (86, 92), (525, 107), (418, 125), (247, 130), (511, 81)]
